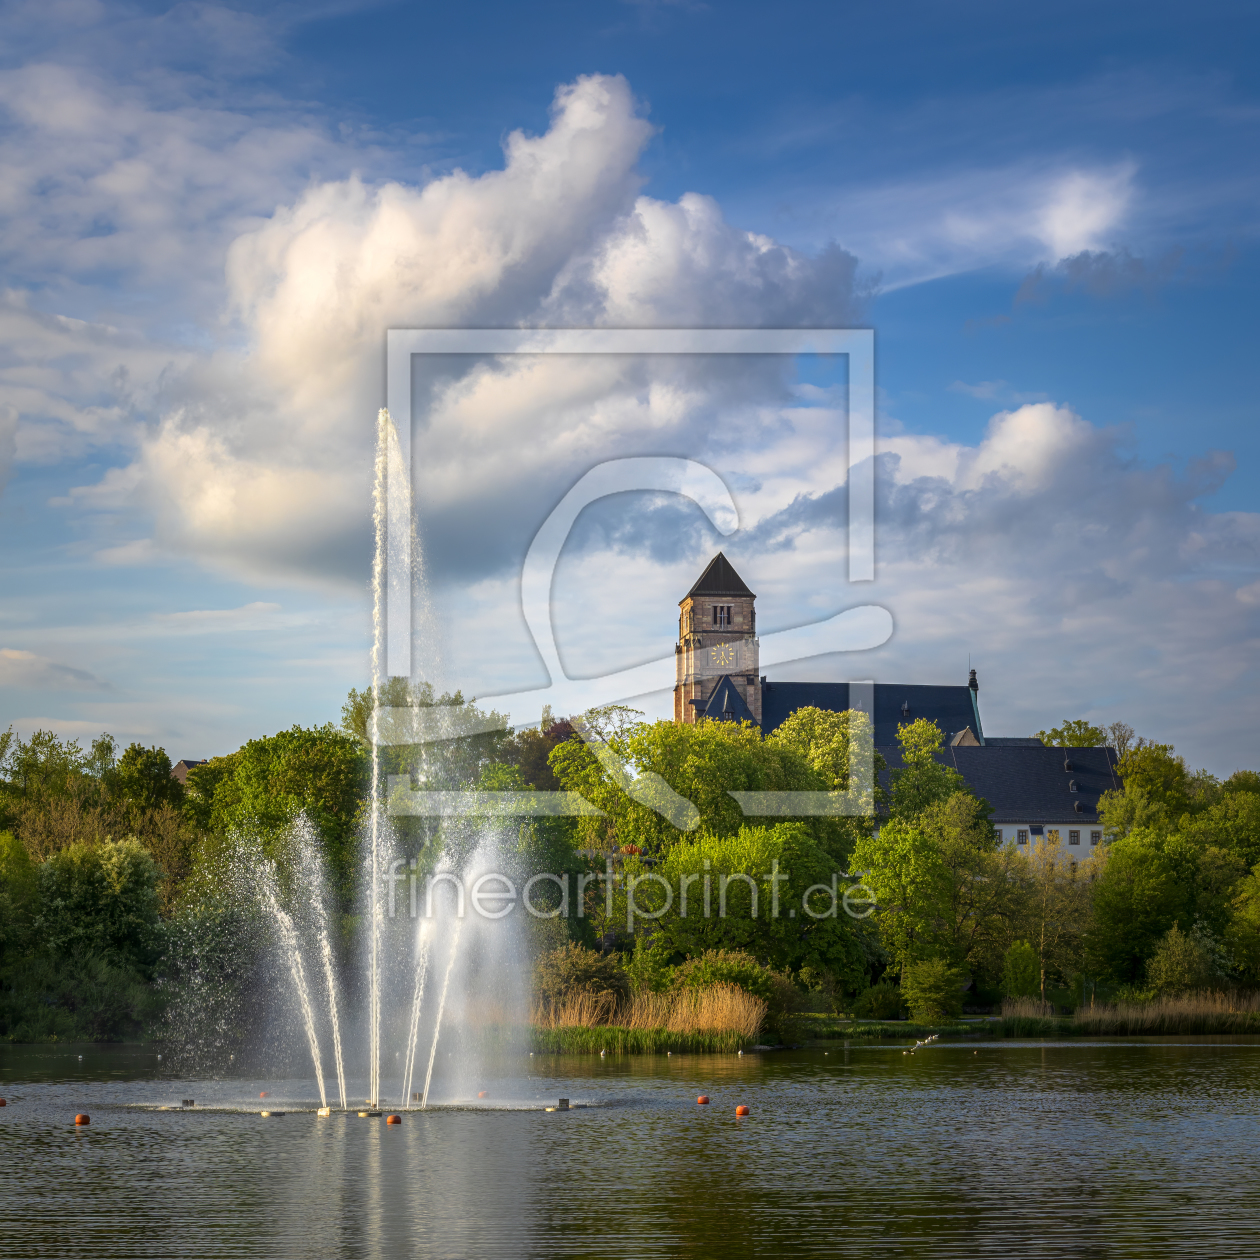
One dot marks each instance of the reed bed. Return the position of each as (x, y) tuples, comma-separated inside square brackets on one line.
[(720, 1017), (1187, 1013)]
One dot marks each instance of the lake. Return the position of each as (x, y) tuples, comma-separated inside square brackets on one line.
[(1078, 1149)]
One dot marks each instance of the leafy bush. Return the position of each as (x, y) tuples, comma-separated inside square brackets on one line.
[(932, 989), (1181, 962), (733, 966), (880, 1001), (1021, 976), (81, 998), (572, 969), (101, 901)]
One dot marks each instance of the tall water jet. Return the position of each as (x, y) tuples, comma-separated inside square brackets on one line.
[(380, 493), (313, 877), (292, 948), (437, 1026), (417, 1000)]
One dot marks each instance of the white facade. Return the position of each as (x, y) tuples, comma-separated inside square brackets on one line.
[(1076, 838)]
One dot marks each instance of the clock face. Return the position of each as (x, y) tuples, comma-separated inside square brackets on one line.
[(723, 655)]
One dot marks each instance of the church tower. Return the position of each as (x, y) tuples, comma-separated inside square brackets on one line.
[(716, 657)]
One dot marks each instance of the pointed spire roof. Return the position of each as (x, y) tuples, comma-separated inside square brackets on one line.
[(719, 578)]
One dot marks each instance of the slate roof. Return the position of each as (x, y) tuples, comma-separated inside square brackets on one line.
[(181, 768), (951, 708), (727, 703), (1026, 784), (719, 578)]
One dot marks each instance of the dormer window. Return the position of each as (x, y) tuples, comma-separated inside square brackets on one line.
[(721, 615)]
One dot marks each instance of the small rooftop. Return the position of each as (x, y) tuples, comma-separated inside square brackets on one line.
[(719, 578)]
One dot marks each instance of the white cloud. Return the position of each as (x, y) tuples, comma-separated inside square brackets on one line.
[(1015, 215), (37, 673), (264, 466)]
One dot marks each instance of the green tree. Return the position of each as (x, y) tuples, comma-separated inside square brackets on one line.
[(101, 901), (1145, 885), (943, 885), (260, 791), (933, 990), (921, 780), (702, 764), (1021, 971), (1074, 734), (19, 891), (143, 779), (1057, 907), (775, 866), (1181, 962)]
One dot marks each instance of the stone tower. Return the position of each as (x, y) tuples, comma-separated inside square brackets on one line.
[(716, 657)]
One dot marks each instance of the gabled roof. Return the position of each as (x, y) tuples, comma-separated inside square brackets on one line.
[(953, 709), (719, 578), (1026, 784), (727, 704)]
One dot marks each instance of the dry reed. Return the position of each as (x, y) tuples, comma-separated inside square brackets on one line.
[(720, 1008), (1026, 1008), (1185, 1013)]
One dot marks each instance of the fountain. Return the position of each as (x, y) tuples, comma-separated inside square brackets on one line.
[(418, 987)]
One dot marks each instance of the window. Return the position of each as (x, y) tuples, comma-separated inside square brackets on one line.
[(997, 834), (1095, 837), (1021, 836), (1052, 835), (721, 614), (1074, 837)]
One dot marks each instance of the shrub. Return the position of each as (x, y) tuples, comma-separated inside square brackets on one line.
[(1021, 976), (1181, 961), (101, 901), (575, 969), (880, 1001), (932, 989)]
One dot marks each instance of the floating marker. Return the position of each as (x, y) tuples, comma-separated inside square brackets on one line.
[(4, 1102), (324, 1111), (83, 1118), (703, 1100), (481, 1093), (263, 1094), (741, 1110), (393, 1119)]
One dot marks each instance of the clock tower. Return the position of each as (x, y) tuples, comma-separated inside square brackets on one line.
[(716, 657)]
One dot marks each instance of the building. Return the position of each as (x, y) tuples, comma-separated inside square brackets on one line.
[(717, 673), (181, 768), (1035, 791)]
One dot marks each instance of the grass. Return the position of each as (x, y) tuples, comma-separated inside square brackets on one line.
[(721, 1018)]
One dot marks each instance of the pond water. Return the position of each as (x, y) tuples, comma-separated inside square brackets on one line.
[(1077, 1149)]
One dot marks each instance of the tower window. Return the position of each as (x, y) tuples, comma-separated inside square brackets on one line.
[(721, 614)]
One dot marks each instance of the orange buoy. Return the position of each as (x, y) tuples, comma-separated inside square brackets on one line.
[(82, 1118), (4, 1102), (481, 1093), (741, 1110), (263, 1094), (703, 1099), (393, 1119)]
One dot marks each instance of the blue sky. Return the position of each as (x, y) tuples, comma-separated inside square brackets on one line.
[(210, 215)]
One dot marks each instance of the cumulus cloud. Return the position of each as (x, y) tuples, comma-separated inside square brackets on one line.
[(37, 673), (263, 466)]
